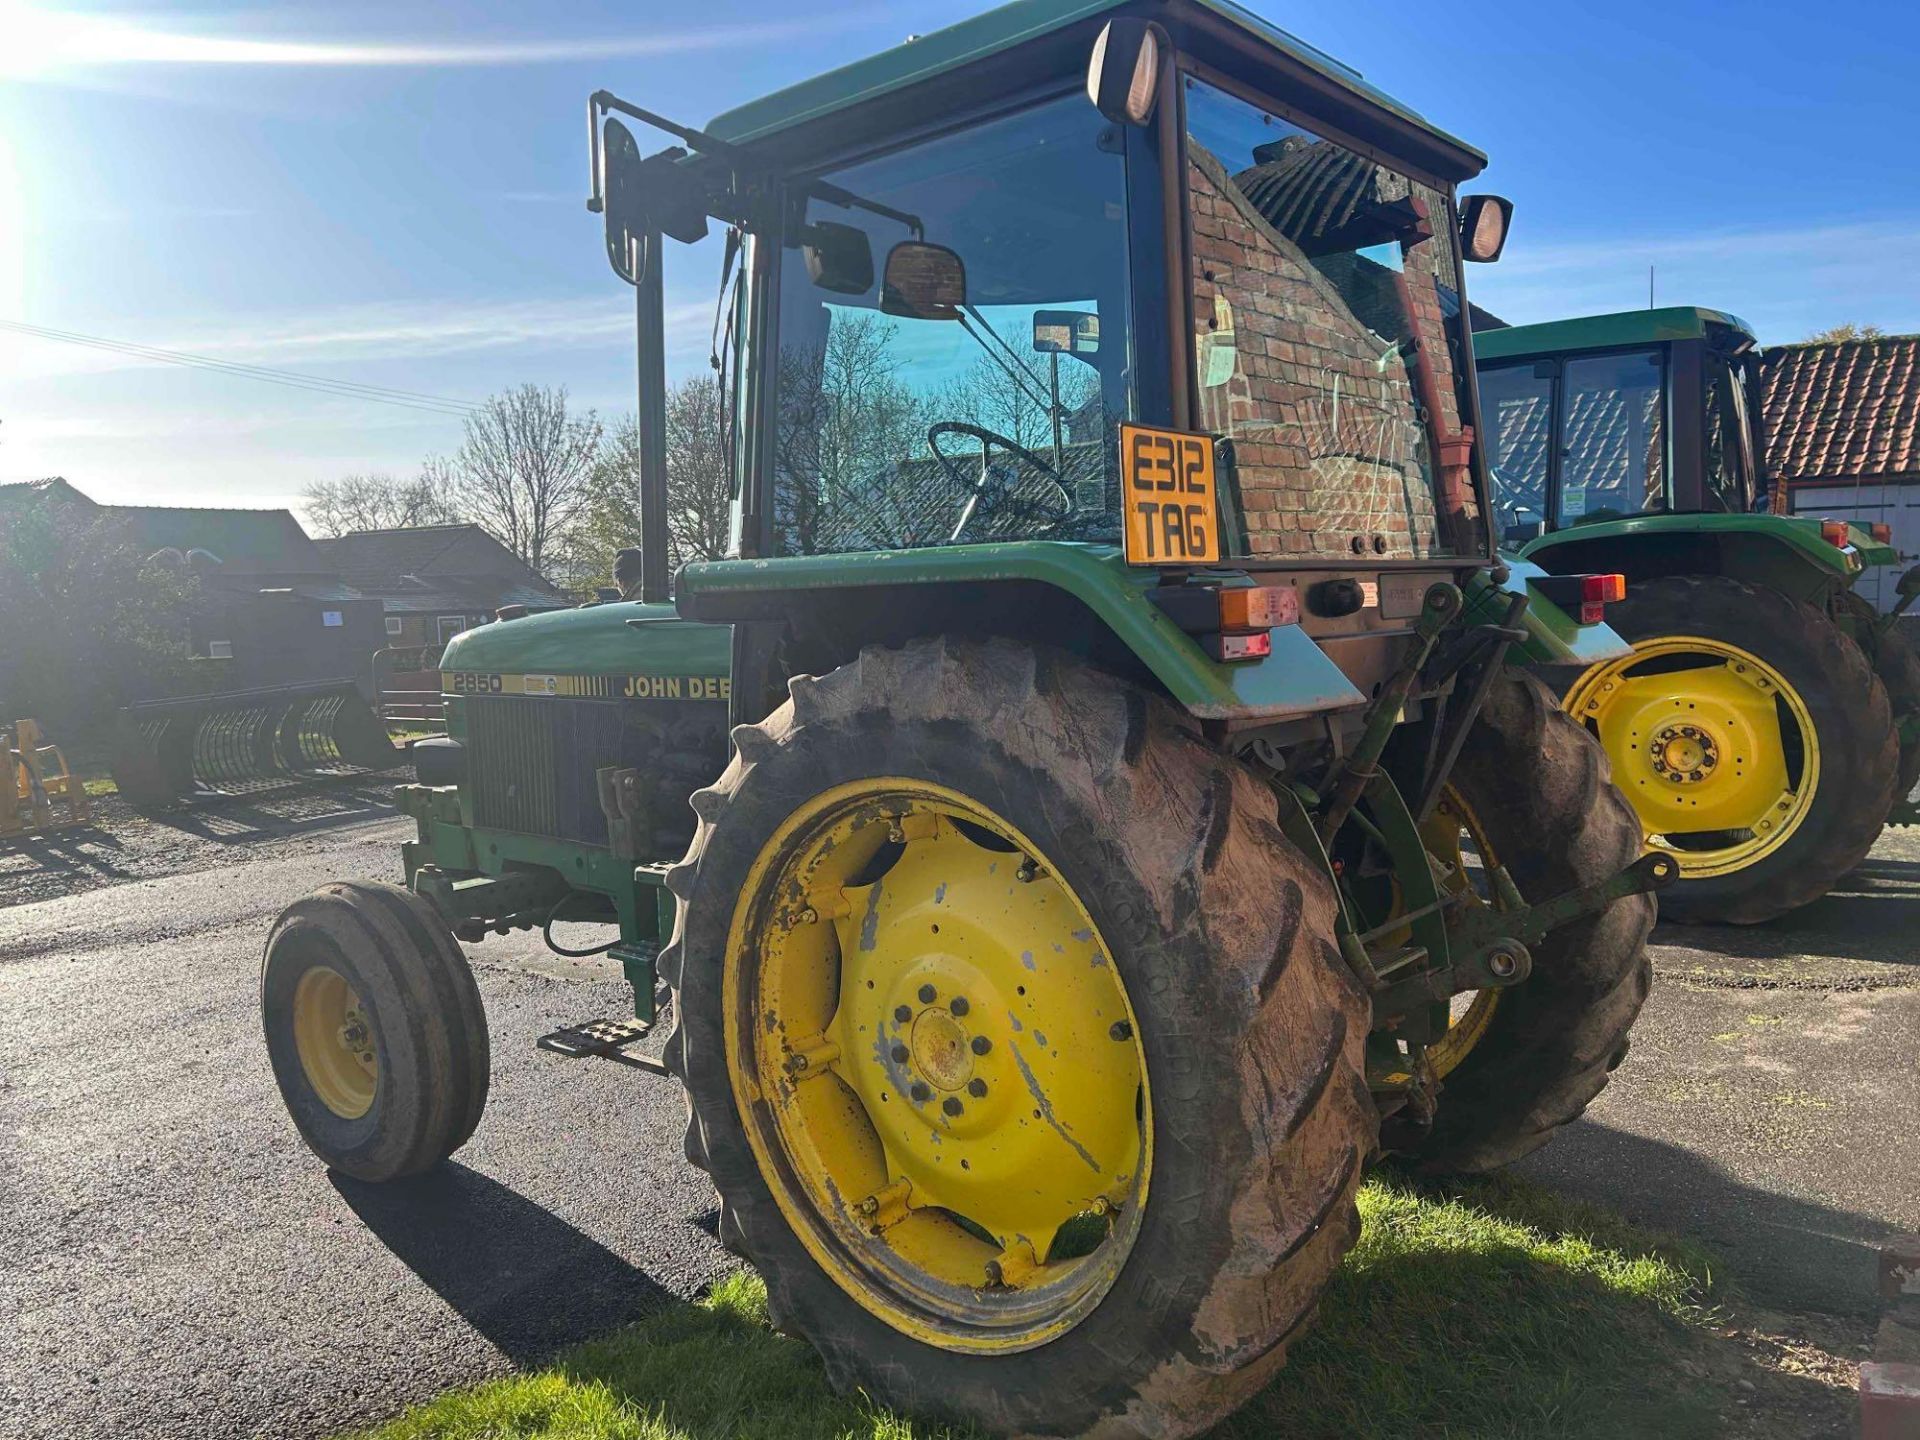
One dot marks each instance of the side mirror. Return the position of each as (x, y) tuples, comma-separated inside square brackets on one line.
[(640, 197), (839, 257), (1066, 332), (625, 216), (923, 282), (1484, 222), (1123, 74)]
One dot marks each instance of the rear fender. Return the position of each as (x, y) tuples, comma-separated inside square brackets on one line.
[(1081, 597), (1782, 552)]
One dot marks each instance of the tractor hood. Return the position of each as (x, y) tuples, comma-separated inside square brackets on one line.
[(615, 639)]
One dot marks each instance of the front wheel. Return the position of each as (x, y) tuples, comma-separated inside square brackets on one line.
[(1752, 738), (374, 1029), (1017, 1044)]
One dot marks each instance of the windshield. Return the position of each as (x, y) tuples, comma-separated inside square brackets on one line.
[(992, 423), (1322, 350), (1613, 445), (1516, 406)]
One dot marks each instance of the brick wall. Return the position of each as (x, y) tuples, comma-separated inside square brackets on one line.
[(1328, 441)]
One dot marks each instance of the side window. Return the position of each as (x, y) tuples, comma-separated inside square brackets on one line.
[(1613, 442), (1729, 439), (1516, 405)]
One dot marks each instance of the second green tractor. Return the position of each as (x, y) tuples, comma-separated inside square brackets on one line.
[(1767, 721)]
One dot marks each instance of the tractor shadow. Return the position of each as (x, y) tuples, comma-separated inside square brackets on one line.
[(280, 814), (1872, 914), (528, 1281)]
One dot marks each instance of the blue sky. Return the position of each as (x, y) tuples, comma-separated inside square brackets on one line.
[(391, 194)]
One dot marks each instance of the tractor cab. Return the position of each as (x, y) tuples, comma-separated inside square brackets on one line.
[(1160, 295), (1609, 416)]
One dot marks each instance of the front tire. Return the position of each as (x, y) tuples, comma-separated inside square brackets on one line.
[(374, 1028), (1178, 1054), (1752, 738)]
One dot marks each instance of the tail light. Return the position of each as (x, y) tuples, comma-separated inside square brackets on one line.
[(1881, 532), (1596, 593), (1230, 623), (1834, 532), (1589, 595)]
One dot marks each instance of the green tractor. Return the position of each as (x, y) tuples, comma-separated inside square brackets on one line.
[(1094, 815), (1768, 719)]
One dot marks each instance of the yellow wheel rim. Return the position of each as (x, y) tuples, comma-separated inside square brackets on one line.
[(335, 1042), (937, 1066), (1712, 746), (1445, 835)]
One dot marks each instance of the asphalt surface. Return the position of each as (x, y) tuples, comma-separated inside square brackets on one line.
[(173, 1262)]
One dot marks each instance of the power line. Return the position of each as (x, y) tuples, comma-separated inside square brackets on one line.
[(346, 389)]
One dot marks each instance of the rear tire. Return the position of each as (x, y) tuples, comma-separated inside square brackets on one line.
[(1258, 1120), (374, 1028), (1898, 666), (1821, 837), (1539, 789)]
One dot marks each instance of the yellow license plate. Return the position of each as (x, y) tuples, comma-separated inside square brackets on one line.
[(1172, 512)]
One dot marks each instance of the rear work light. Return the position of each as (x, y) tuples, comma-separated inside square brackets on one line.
[(1834, 532)]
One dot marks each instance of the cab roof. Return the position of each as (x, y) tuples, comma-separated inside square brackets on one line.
[(1603, 332), (1028, 41)]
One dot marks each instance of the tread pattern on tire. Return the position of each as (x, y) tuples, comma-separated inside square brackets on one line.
[(1897, 664), (1249, 1018), (1542, 789), (434, 1047)]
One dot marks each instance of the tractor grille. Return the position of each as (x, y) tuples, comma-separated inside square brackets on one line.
[(533, 761), (511, 745)]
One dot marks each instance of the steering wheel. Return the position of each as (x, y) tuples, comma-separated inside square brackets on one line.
[(977, 488)]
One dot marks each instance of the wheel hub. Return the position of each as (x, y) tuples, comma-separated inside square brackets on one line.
[(939, 1051), (1683, 754)]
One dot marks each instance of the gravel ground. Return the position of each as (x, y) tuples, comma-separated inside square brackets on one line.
[(174, 1263)]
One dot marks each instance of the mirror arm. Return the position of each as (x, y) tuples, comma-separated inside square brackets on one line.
[(650, 361)]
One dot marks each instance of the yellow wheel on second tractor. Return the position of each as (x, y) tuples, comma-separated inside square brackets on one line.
[(1752, 738)]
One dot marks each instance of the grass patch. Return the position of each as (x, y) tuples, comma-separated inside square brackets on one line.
[(1494, 1309)]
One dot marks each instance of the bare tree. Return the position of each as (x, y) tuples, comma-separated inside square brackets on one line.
[(523, 470), (374, 502), (699, 482)]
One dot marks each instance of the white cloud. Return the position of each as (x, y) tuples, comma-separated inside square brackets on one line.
[(45, 43), (1786, 282), (373, 334)]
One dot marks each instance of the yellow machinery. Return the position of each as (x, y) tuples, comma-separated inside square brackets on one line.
[(41, 792)]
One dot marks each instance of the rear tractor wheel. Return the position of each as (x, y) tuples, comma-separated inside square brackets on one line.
[(1017, 1045), (374, 1028), (1752, 738), (1531, 792)]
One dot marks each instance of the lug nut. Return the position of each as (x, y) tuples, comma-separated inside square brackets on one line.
[(977, 1088), (899, 1054), (920, 1092), (901, 1014), (981, 1045), (951, 1105), (959, 1005), (928, 994)]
